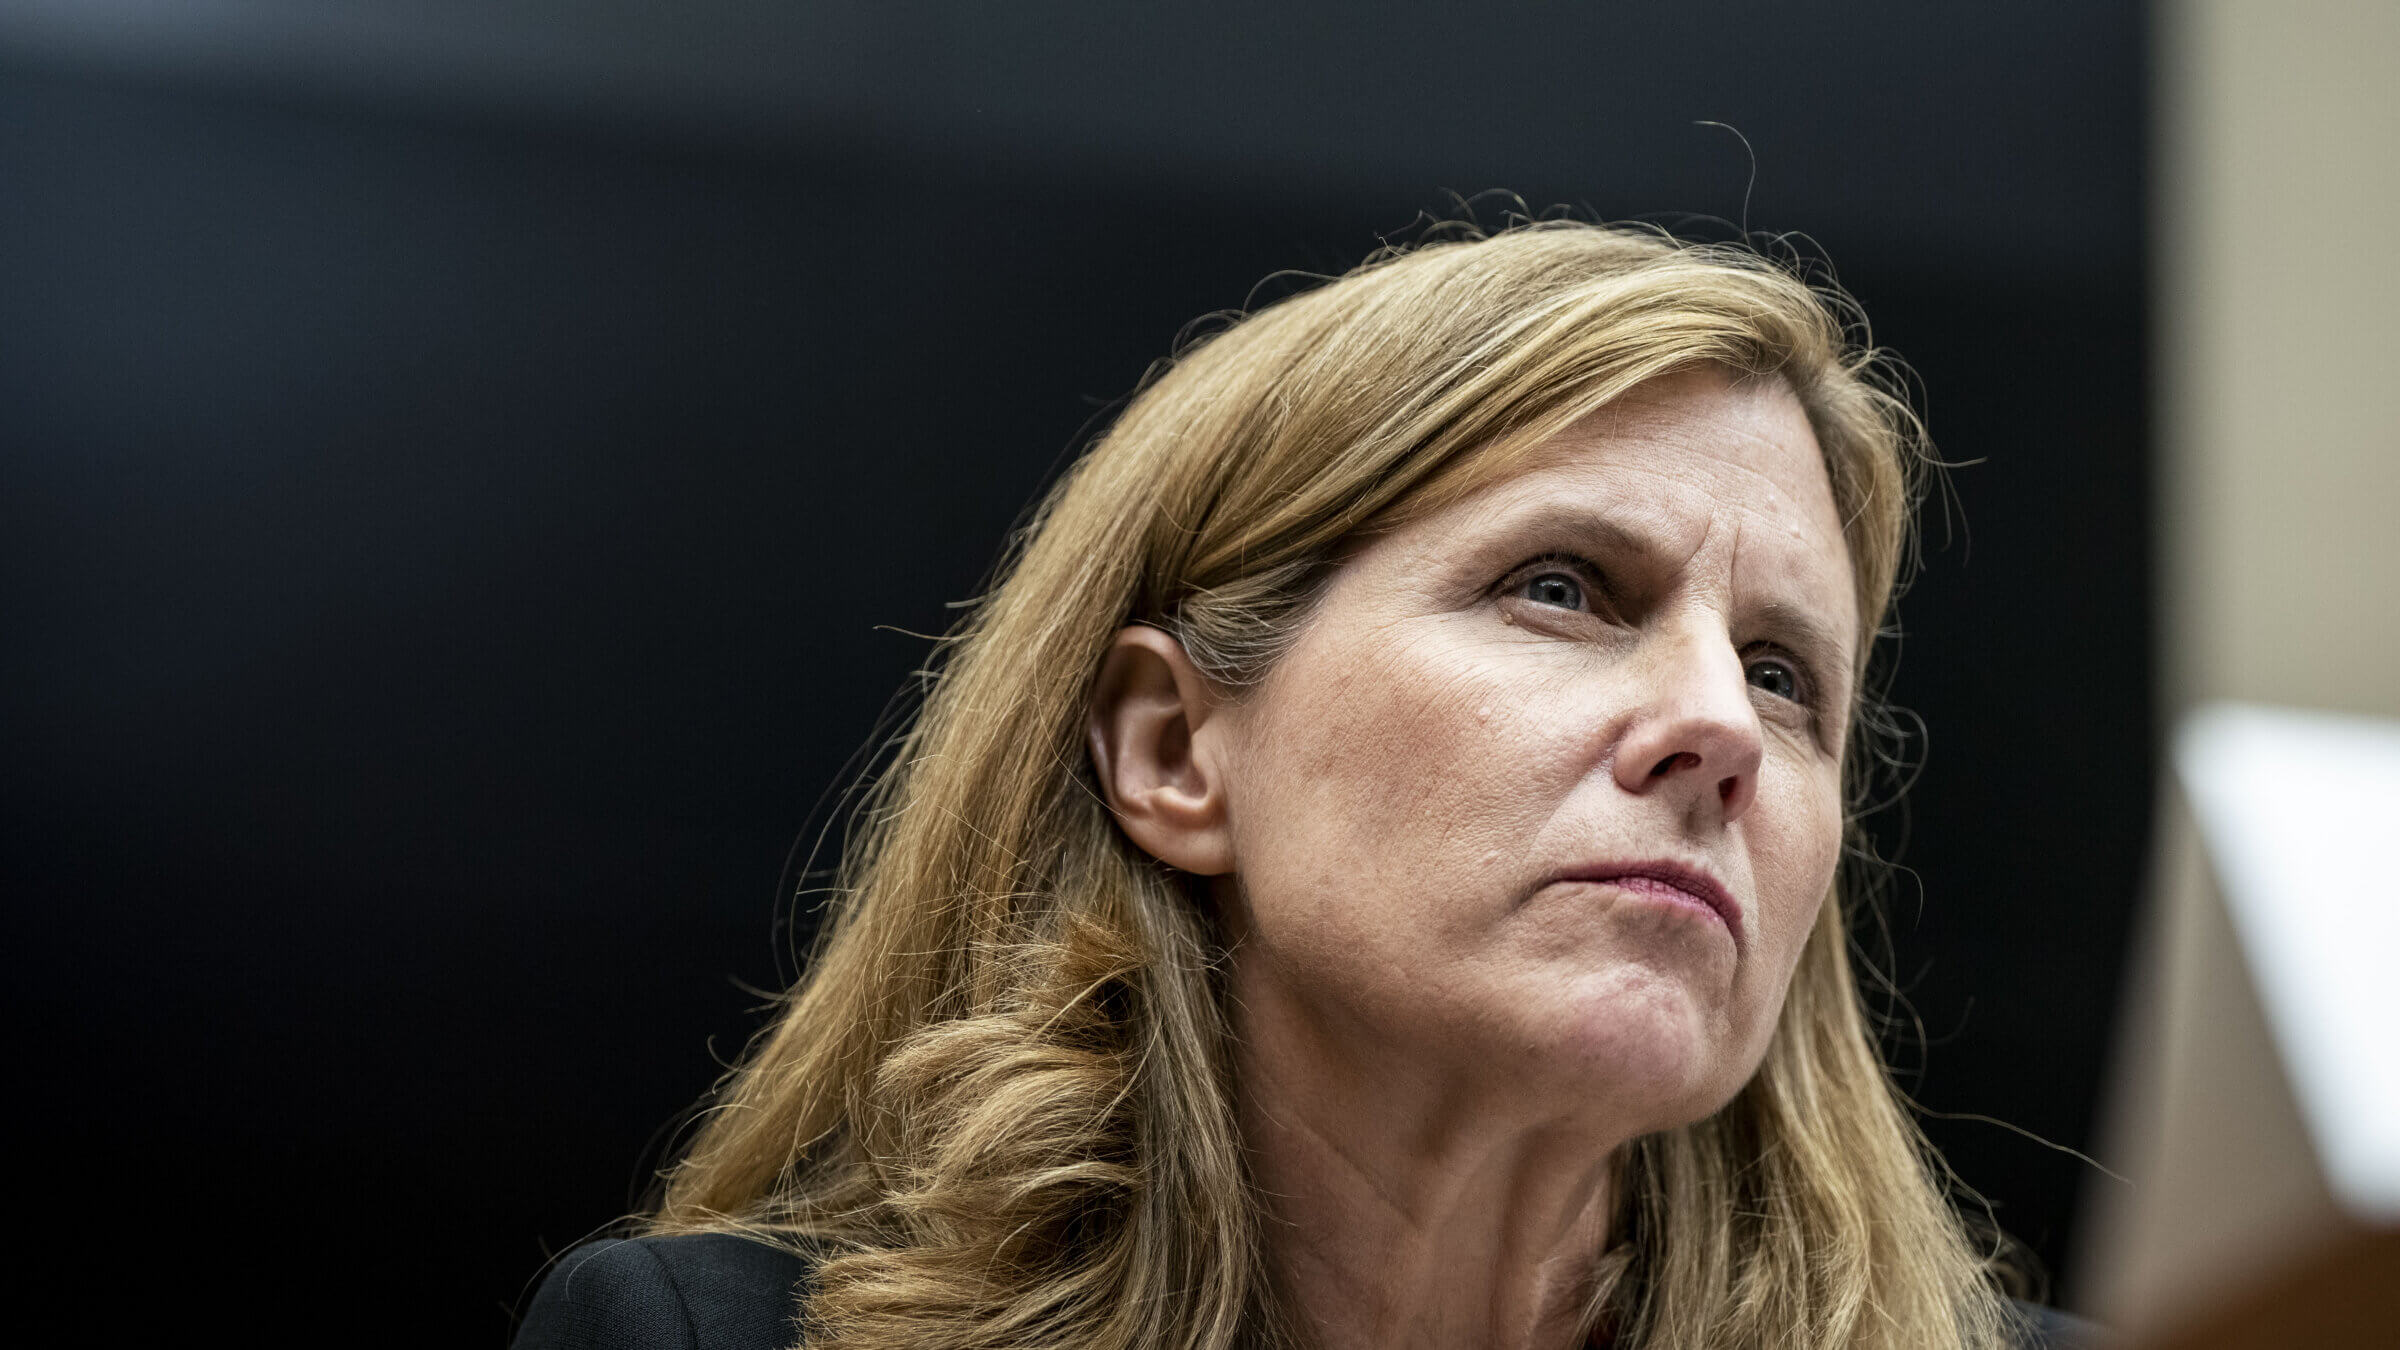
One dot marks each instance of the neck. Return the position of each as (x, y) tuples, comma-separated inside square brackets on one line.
[(1408, 1209)]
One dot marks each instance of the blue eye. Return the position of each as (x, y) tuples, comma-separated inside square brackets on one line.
[(1554, 588), (1775, 676)]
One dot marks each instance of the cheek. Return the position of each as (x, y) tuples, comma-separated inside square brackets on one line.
[(1385, 790), (1794, 845), (1794, 851)]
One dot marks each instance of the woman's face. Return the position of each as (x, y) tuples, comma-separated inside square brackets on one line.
[(1547, 793)]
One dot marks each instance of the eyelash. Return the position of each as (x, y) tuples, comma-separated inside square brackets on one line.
[(1586, 572), (1805, 695), (1595, 589)]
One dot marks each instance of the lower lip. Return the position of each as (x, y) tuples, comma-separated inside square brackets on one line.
[(1654, 889)]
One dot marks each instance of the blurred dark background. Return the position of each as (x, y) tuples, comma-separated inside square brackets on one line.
[(463, 467)]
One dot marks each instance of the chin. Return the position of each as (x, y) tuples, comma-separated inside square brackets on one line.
[(1651, 1047)]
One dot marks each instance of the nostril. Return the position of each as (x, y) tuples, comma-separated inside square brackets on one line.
[(1681, 759), (1727, 787)]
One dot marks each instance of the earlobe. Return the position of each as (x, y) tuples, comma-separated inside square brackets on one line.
[(1152, 749)]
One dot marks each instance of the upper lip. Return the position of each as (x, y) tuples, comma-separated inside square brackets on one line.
[(1699, 881)]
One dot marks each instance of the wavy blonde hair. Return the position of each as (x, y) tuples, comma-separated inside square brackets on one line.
[(997, 1108)]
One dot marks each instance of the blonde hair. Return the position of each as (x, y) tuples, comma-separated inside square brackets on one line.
[(997, 1107)]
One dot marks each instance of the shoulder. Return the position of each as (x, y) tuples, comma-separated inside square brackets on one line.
[(695, 1291), (2049, 1329)]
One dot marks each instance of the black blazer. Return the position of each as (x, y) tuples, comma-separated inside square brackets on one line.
[(715, 1291)]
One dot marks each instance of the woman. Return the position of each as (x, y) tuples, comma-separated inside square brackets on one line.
[(1373, 871)]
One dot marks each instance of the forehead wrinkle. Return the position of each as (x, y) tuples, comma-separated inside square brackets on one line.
[(1732, 412), (1647, 479), (1598, 460), (1797, 619), (1657, 527), (1797, 553)]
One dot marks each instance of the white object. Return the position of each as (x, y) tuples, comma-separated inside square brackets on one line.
[(2300, 814)]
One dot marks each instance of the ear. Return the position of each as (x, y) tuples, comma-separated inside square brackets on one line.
[(1150, 707)]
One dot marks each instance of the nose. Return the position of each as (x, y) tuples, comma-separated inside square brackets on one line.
[(1694, 733)]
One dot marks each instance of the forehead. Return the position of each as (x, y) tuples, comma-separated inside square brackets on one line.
[(1699, 468), (1744, 445)]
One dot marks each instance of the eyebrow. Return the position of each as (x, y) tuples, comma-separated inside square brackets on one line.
[(1591, 530), (1809, 637)]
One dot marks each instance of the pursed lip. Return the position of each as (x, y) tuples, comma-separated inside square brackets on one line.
[(1697, 882)]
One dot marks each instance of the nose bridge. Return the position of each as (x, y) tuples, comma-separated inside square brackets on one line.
[(1694, 726), (1698, 672)]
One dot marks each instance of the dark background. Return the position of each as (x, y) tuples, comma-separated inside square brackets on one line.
[(464, 467)]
